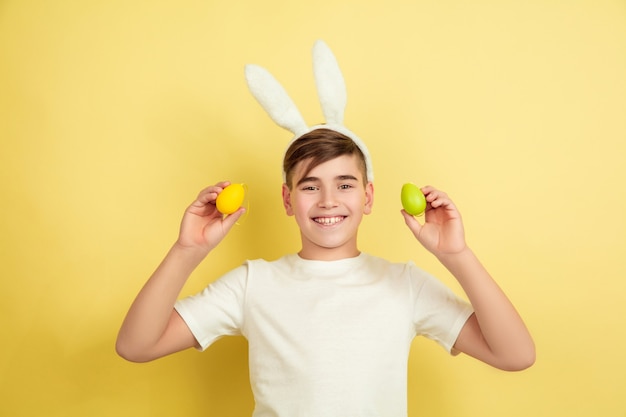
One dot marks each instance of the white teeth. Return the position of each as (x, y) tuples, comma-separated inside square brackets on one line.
[(328, 220)]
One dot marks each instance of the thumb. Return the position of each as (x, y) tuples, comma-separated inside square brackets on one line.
[(412, 223), (230, 220)]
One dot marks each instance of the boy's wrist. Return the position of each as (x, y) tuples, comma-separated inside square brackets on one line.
[(190, 253), (456, 258)]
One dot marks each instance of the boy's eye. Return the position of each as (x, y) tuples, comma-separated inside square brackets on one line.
[(309, 188), (345, 186)]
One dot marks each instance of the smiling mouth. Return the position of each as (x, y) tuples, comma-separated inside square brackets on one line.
[(328, 221)]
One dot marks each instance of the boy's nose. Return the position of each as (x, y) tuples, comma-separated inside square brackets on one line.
[(327, 200), (328, 204)]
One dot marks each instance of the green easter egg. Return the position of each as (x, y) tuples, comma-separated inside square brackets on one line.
[(413, 200)]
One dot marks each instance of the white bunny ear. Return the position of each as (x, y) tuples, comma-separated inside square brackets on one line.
[(331, 86), (331, 89), (274, 99)]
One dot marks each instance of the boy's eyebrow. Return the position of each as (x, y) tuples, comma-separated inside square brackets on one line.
[(338, 178), (307, 179)]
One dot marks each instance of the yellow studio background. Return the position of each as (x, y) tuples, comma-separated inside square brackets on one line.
[(114, 114)]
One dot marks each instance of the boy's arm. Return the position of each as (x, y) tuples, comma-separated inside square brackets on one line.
[(152, 328), (495, 333)]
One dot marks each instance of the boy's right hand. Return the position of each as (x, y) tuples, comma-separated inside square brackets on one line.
[(203, 227)]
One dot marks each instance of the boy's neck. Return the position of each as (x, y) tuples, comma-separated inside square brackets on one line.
[(323, 254)]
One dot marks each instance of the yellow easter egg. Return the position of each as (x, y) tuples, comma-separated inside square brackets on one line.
[(230, 199)]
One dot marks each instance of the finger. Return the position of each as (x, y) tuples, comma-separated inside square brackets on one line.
[(223, 184), (436, 198), (217, 187), (411, 222), (210, 193), (205, 198), (432, 193), (439, 201), (427, 189)]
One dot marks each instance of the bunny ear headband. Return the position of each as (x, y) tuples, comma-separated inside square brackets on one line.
[(331, 90)]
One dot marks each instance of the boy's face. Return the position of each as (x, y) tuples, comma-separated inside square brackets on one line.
[(328, 205)]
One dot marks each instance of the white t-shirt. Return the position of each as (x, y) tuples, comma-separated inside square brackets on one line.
[(327, 338)]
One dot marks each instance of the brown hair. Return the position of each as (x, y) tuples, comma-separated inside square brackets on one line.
[(319, 146)]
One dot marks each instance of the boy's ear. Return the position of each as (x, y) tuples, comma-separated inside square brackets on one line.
[(287, 200), (369, 197)]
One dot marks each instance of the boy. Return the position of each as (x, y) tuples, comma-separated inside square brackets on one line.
[(329, 328)]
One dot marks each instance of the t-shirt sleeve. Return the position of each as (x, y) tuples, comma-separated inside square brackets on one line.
[(439, 314), (217, 310)]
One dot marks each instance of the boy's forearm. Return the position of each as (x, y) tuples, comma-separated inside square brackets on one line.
[(502, 328), (149, 314)]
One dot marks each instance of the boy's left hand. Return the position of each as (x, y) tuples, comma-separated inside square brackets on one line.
[(442, 232)]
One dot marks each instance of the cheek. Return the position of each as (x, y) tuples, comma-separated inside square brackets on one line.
[(295, 206), (365, 205), (299, 207), (303, 205)]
